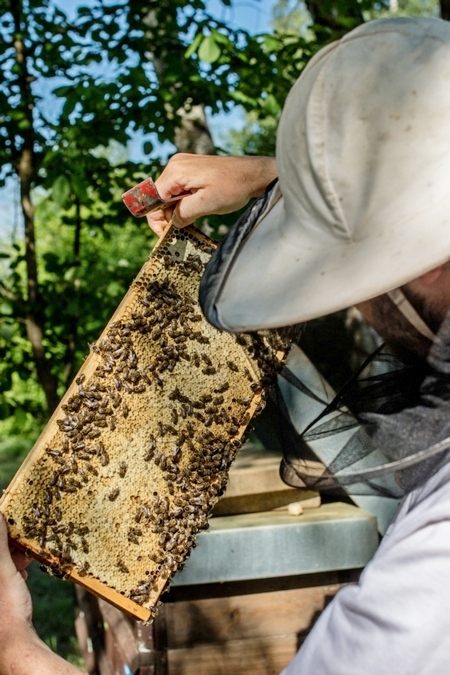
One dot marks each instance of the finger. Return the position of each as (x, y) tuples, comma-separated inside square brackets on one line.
[(169, 192), (179, 222), (157, 222), (20, 560), (160, 219), (7, 567), (168, 213), (188, 210)]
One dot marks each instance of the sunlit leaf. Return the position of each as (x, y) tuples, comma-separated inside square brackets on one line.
[(6, 308), (114, 289), (71, 273), (6, 331), (194, 45), (209, 50), (60, 191)]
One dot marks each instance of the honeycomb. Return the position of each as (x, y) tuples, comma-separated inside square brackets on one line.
[(132, 462)]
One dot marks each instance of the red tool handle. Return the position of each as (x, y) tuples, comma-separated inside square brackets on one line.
[(144, 198)]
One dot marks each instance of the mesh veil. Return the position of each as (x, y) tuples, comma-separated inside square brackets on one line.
[(401, 413)]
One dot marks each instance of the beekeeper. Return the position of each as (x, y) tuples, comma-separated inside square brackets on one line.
[(360, 216)]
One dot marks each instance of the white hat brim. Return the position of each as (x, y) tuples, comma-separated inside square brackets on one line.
[(267, 279)]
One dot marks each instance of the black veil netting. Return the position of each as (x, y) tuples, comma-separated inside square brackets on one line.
[(400, 414)]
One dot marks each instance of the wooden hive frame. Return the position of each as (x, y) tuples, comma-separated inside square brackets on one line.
[(137, 453)]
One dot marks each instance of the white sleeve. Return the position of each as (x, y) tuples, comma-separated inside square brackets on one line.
[(396, 620)]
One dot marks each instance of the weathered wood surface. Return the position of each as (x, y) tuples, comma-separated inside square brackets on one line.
[(263, 656), (255, 633), (218, 620), (255, 485)]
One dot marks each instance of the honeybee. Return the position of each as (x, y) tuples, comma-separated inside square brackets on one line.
[(114, 494)]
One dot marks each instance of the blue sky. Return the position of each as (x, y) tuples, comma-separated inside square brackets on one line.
[(253, 15)]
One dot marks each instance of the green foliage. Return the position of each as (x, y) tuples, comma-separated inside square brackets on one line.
[(405, 8), (291, 17), (255, 138), (71, 92), (84, 290)]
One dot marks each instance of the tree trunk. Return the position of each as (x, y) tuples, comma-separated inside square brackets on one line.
[(24, 166), (72, 333), (193, 135), (445, 9)]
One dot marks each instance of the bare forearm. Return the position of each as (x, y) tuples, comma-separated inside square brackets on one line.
[(23, 653), (265, 172), (252, 174)]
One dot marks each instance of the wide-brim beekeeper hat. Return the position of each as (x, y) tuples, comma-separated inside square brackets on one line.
[(362, 204)]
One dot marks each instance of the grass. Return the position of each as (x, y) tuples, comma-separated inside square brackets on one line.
[(54, 613), (53, 600)]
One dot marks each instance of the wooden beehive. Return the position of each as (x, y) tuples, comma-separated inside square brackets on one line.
[(131, 463)]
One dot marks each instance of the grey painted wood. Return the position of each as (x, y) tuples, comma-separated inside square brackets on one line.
[(334, 536)]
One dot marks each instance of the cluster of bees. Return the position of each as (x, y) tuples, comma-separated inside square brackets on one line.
[(125, 476)]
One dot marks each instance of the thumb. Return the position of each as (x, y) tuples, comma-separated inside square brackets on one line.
[(189, 209), (7, 566)]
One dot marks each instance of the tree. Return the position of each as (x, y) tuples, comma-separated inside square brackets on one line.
[(71, 88), (113, 71)]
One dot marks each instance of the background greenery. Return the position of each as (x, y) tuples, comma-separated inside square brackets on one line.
[(73, 92)]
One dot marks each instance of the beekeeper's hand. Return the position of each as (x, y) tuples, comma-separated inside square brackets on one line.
[(213, 185), (21, 650), (15, 600)]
